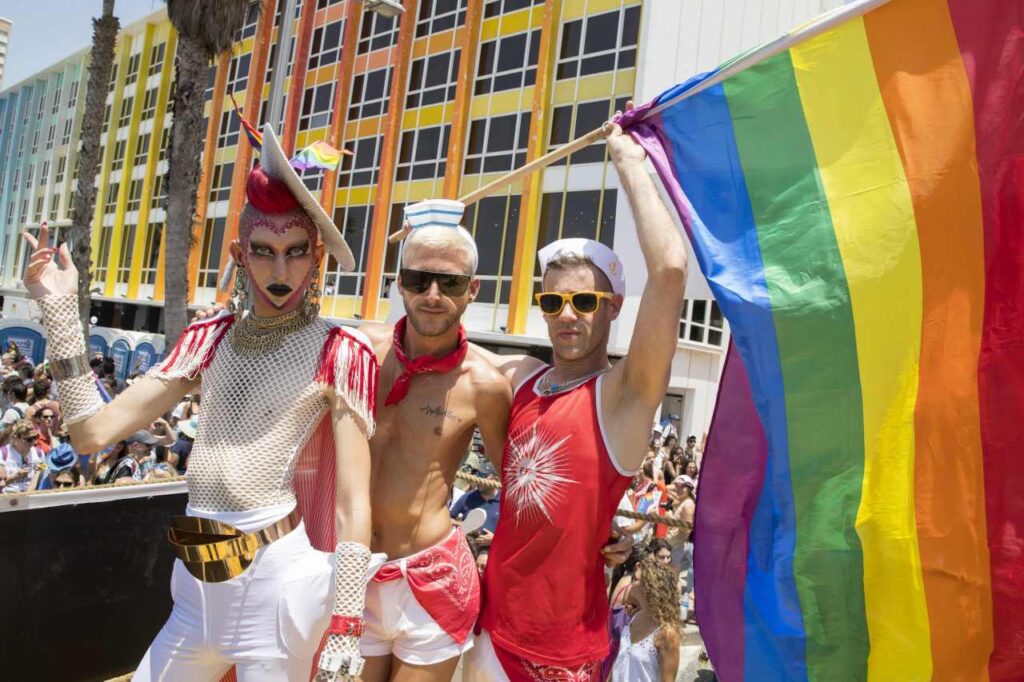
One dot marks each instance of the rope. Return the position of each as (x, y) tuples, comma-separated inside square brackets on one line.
[(125, 484), (637, 516)]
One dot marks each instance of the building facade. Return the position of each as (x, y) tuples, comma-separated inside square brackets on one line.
[(437, 102), (5, 39)]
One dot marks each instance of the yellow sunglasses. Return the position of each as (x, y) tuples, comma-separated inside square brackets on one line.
[(583, 302)]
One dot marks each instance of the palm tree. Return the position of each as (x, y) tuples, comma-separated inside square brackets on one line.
[(206, 28), (104, 35)]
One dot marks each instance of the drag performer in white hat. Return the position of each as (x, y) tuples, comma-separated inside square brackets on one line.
[(288, 408)]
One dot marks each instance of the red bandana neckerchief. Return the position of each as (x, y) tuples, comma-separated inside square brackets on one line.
[(422, 364)]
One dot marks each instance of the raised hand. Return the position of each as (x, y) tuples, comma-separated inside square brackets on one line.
[(42, 276), (622, 147)]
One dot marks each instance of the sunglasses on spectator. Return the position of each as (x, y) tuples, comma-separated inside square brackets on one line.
[(29, 439), (419, 281), (63, 484), (45, 416), (583, 302)]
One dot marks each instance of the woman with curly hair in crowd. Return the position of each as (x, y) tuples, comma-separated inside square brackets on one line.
[(649, 648)]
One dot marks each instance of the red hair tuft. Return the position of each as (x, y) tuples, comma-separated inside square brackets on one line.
[(268, 194)]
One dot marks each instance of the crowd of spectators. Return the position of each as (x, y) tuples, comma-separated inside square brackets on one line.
[(37, 454)]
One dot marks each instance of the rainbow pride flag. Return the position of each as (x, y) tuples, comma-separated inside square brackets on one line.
[(854, 193), (318, 155)]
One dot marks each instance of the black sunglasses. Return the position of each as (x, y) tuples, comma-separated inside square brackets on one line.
[(419, 281)]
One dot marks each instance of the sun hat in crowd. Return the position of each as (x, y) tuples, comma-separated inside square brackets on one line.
[(684, 480), (189, 427), (60, 458)]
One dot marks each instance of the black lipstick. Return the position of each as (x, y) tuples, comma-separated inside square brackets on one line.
[(279, 289)]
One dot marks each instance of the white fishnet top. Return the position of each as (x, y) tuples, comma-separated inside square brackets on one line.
[(257, 413)]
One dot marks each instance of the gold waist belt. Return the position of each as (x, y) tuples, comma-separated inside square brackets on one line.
[(214, 552)]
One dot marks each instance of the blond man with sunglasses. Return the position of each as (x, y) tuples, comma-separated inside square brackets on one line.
[(21, 458), (577, 434)]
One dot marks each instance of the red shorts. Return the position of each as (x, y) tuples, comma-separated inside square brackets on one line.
[(487, 662)]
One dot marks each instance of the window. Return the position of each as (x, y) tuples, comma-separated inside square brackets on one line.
[(238, 72), (361, 167), (159, 192), (66, 138), (599, 43), (585, 214), (149, 103), (111, 202), (73, 95), (376, 33), (495, 7), (44, 174), (433, 79), (156, 59), (220, 181), (440, 15), (370, 93), (35, 142), (324, 4), (316, 106), (165, 143), (229, 127), (589, 116), (422, 153), (117, 161), (39, 210), (209, 254), (42, 104), (51, 134), (211, 78), (106, 119), (501, 65), (124, 257), (141, 149), (354, 223), (325, 46), (497, 144), (134, 195), (55, 206), (126, 112), (56, 95), (133, 70), (58, 177), (15, 178), (249, 28), (151, 252), (702, 322), (106, 236), (493, 222)]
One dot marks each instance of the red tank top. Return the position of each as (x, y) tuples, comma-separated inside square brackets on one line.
[(544, 592)]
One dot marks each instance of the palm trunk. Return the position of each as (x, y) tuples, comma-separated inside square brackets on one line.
[(104, 35), (186, 146)]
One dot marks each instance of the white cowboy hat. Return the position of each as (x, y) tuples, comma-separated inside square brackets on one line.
[(276, 165)]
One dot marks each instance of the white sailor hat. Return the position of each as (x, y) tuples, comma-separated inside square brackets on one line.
[(600, 255), (435, 212)]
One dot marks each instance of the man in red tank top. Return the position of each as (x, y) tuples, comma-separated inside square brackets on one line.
[(577, 435)]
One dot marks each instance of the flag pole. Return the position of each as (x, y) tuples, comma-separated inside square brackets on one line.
[(540, 162)]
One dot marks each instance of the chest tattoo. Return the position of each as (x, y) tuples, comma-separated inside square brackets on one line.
[(439, 411)]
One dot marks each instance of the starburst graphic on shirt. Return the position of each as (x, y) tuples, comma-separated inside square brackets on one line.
[(536, 473)]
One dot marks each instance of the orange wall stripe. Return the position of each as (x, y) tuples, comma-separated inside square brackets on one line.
[(469, 42), (526, 230), (251, 111), (298, 83), (389, 154), (209, 151)]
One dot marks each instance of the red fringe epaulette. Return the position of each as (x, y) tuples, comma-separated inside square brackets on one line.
[(195, 349), (350, 366)]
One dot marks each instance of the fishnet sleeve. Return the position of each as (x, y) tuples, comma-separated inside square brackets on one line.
[(349, 365), (351, 564), (195, 349), (79, 396)]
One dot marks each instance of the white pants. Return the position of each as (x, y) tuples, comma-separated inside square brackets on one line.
[(267, 622)]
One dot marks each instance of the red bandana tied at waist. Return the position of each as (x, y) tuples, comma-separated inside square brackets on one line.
[(422, 364)]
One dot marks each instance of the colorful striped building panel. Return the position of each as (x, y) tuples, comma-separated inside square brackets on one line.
[(853, 192)]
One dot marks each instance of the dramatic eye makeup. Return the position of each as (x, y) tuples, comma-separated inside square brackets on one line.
[(296, 250)]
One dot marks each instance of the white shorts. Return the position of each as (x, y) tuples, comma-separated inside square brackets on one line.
[(397, 625), (482, 664), (267, 622)]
